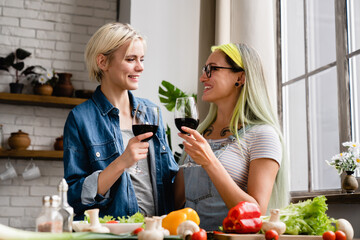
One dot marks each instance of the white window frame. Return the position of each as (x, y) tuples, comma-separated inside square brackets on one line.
[(347, 132)]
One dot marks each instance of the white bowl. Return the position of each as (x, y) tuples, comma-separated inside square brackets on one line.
[(115, 228)]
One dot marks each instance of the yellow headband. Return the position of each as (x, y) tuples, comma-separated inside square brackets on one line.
[(232, 51)]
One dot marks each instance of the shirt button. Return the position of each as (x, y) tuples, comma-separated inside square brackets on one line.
[(163, 147), (97, 154)]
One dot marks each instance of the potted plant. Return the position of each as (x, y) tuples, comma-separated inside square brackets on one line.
[(42, 79), (14, 60), (347, 162)]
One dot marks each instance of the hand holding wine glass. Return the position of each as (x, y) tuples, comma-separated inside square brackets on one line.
[(186, 114), (145, 119)]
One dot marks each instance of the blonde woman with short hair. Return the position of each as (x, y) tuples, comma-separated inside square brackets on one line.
[(100, 149), (239, 146)]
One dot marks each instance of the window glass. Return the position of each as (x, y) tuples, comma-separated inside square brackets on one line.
[(324, 128), (296, 134), (320, 33), (353, 25), (293, 53)]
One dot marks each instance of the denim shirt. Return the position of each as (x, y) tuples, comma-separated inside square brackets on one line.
[(92, 140)]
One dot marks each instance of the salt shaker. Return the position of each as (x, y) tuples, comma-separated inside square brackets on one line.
[(50, 220), (65, 209)]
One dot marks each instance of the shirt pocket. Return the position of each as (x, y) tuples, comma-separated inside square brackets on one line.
[(102, 152)]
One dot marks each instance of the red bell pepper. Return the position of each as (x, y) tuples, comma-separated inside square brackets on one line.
[(243, 218)]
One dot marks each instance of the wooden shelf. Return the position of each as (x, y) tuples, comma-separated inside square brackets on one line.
[(38, 100), (36, 154), (333, 197)]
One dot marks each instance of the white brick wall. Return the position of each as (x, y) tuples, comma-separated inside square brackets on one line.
[(55, 32)]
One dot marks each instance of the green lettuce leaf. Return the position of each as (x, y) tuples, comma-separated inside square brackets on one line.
[(136, 218), (307, 217)]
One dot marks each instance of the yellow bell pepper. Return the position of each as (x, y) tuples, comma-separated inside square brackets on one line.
[(173, 219)]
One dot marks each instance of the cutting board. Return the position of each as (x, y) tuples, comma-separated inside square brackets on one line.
[(227, 236)]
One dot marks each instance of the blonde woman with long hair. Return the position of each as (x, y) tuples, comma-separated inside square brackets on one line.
[(239, 147), (100, 149)]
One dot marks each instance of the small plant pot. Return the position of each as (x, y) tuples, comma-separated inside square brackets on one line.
[(43, 89), (16, 87), (349, 183)]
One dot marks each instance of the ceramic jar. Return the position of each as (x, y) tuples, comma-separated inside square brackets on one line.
[(43, 89), (349, 183), (64, 87), (19, 140), (58, 145)]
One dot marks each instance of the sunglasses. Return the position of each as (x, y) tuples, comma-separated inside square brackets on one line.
[(208, 68)]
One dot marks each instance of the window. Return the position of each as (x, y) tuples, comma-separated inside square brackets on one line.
[(319, 66)]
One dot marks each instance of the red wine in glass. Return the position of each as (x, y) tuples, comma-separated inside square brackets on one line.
[(145, 119), (144, 128), (187, 122)]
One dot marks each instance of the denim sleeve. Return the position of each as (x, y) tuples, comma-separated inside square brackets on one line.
[(77, 166), (89, 193)]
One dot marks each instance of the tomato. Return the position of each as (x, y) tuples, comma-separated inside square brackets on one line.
[(200, 235), (136, 231), (329, 235), (271, 235), (340, 235), (112, 221)]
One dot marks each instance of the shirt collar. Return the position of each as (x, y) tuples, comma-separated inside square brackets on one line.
[(105, 106)]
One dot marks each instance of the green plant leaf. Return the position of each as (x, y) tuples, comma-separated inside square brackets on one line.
[(3, 68), (18, 66), (28, 70), (8, 60), (168, 94), (22, 54)]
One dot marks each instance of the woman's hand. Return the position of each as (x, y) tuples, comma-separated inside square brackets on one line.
[(197, 147), (136, 149)]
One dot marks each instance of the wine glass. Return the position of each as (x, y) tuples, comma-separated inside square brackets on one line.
[(146, 119), (186, 114)]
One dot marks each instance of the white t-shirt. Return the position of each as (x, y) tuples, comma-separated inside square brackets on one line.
[(259, 141)]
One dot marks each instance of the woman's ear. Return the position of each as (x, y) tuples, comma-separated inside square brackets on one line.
[(241, 78), (101, 61)]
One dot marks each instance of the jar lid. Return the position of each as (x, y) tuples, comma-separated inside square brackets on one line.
[(19, 132), (46, 201), (54, 201)]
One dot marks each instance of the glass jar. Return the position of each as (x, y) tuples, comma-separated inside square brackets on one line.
[(50, 220)]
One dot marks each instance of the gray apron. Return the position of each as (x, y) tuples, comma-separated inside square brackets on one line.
[(201, 194)]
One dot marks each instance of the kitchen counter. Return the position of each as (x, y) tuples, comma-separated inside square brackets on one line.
[(261, 237), (9, 233)]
